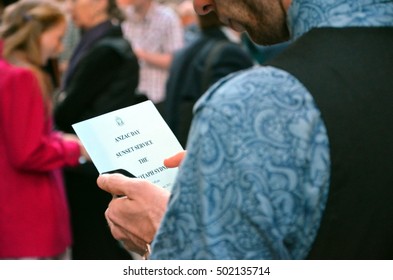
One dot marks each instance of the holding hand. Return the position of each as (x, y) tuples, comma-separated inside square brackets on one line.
[(135, 217), (73, 137)]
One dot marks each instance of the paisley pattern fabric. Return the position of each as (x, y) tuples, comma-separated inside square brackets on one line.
[(255, 180)]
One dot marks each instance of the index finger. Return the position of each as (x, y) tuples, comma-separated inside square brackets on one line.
[(175, 160)]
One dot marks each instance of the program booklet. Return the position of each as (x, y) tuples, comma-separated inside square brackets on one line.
[(134, 140)]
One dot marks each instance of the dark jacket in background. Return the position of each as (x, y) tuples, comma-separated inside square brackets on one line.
[(193, 70), (102, 76)]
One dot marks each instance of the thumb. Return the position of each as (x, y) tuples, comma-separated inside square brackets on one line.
[(113, 183)]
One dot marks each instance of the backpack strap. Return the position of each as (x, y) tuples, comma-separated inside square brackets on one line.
[(215, 49)]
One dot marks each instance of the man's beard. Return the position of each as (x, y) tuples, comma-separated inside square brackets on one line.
[(269, 23)]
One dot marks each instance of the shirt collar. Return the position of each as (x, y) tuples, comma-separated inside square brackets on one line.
[(303, 15)]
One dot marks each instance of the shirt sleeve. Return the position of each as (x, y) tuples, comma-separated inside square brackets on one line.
[(27, 127), (255, 178)]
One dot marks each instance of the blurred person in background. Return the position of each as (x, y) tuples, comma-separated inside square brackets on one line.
[(102, 76), (51, 66), (155, 32), (70, 41), (34, 215), (195, 68), (189, 20)]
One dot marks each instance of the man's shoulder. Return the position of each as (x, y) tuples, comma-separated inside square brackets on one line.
[(119, 44), (255, 88), (258, 78)]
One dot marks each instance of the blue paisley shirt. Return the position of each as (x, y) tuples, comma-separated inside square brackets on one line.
[(255, 180)]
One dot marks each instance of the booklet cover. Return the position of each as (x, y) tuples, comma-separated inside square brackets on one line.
[(135, 139)]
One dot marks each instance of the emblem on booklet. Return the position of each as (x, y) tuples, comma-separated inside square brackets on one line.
[(119, 121)]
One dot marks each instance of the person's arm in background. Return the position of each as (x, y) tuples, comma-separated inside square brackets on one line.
[(24, 122), (160, 60)]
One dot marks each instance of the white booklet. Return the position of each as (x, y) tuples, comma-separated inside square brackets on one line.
[(135, 139)]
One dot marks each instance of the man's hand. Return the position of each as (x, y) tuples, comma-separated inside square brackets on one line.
[(135, 217)]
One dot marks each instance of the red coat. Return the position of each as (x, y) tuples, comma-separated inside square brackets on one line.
[(34, 217)]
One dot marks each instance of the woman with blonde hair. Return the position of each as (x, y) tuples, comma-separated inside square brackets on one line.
[(34, 215)]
